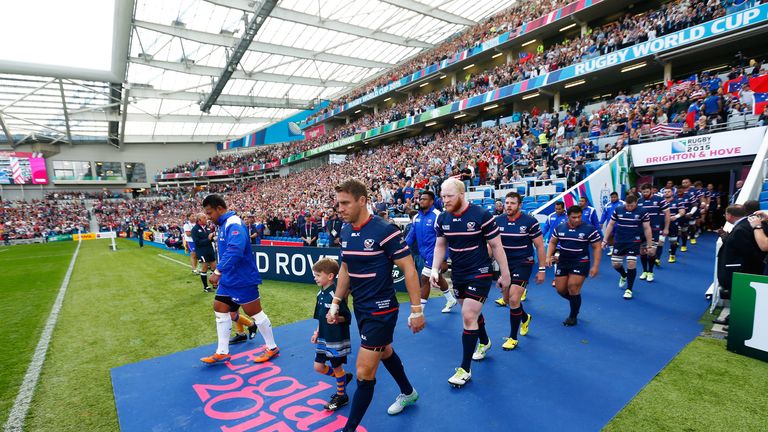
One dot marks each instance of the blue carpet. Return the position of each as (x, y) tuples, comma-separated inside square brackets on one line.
[(558, 379)]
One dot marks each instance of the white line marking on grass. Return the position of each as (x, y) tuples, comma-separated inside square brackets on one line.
[(4, 250), (174, 260), (20, 408)]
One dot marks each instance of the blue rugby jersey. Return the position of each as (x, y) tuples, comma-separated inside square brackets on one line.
[(467, 234), (369, 252), (655, 207), (628, 226), (517, 237), (574, 243), (674, 207)]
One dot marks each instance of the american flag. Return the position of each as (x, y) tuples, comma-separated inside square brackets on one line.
[(667, 129)]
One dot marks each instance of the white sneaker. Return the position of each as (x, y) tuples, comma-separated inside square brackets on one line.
[(643, 275), (622, 281), (460, 378), (448, 305), (628, 294), (481, 350), (196, 272), (402, 401), (650, 277)]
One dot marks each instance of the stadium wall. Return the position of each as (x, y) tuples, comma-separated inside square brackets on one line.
[(155, 157)]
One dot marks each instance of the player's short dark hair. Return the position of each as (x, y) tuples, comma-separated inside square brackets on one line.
[(698, 183), (327, 266), (616, 194), (751, 206), (559, 204), (584, 198), (354, 187), (514, 195), (574, 210), (645, 186), (214, 201), (429, 193), (737, 210), (630, 199)]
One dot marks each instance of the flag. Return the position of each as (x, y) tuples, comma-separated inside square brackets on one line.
[(693, 113), (759, 103), (18, 177), (524, 56), (667, 129), (682, 85), (733, 86), (759, 84)]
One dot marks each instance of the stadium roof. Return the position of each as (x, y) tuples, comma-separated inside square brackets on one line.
[(305, 50)]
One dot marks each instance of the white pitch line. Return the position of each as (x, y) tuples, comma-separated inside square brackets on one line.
[(174, 260), (20, 408), (4, 250)]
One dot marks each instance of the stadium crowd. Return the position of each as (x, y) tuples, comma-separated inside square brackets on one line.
[(631, 29), (41, 218)]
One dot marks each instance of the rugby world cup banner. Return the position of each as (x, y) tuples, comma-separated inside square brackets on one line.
[(294, 264), (699, 148), (597, 188), (489, 44), (748, 326)]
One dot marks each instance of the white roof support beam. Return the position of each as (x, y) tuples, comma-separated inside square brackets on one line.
[(430, 11), (123, 115), (165, 118), (253, 76), (327, 24), (66, 114), (224, 100), (168, 139), (6, 131), (228, 41)]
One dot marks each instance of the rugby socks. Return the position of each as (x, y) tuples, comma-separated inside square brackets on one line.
[(651, 262), (329, 371), (631, 274), (673, 248), (483, 335), (659, 250), (341, 381), (223, 328), (575, 301), (395, 368), (621, 271), (265, 328), (565, 295), (644, 261), (684, 238), (360, 402), (515, 318), (448, 294), (468, 343), (204, 278)]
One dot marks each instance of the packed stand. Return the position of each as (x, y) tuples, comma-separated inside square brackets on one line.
[(41, 218)]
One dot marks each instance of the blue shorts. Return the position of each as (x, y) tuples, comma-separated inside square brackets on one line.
[(674, 230), (578, 268), (240, 296), (520, 273), (191, 246), (377, 328), (626, 249), (475, 290)]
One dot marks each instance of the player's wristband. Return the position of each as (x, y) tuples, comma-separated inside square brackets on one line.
[(337, 298), (436, 270), (333, 309), (542, 269), (217, 272), (417, 308)]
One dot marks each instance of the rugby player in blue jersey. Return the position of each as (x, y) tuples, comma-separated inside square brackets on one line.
[(569, 248), (467, 230), (370, 246)]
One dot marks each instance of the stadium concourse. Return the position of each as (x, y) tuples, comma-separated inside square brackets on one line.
[(124, 127)]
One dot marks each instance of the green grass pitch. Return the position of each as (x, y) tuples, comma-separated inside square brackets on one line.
[(130, 305)]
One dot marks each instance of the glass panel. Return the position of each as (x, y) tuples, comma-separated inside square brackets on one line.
[(72, 170), (109, 171), (135, 172)]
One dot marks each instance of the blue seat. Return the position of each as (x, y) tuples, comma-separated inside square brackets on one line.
[(521, 190), (542, 198), (489, 207), (528, 199), (559, 187), (476, 201), (764, 196), (763, 205), (488, 193), (765, 186), (476, 181), (488, 201)]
